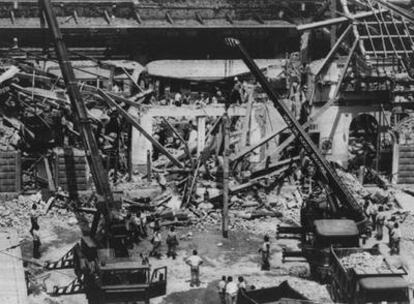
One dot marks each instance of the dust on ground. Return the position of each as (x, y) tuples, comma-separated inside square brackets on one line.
[(236, 256)]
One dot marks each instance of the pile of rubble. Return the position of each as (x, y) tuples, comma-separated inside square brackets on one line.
[(358, 191), (249, 214), (16, 213), (9, 137), (365, 262)]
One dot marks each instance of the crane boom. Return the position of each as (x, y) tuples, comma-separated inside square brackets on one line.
[(347, 200), (99, 173)]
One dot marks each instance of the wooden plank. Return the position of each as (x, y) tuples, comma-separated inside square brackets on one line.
[(13, 288)]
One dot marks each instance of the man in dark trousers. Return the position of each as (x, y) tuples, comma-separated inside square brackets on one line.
[(265, 251), (194, 262), (34, 216), (222, 289), (156, 243), (36, 242), (172, 243)]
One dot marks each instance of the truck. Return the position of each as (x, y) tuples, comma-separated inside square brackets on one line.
[(282, 294), (360, 276), (316, 244)]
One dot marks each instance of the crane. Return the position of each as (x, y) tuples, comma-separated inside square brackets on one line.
[(349, 206), (105, 271)]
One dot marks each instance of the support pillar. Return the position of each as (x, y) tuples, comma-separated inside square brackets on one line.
[(139, 144), (395, 162), (201, 134)]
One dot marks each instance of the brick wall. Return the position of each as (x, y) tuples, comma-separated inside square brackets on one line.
[(10, 172)]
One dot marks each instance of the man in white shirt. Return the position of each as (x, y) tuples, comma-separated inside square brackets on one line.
[(231, 291), (156, 243), (194, 262), (192, 138), (396, 238)]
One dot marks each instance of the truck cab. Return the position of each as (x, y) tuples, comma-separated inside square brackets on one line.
[(316, 243), (383, 289), (108, 278), (126, 281)]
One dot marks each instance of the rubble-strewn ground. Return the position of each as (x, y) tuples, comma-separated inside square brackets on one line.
[(236, 256)]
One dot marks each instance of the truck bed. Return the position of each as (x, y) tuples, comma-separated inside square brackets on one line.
[(369, 262), (346, 277)]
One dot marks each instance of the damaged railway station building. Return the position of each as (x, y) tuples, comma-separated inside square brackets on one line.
[(205, 115), (350, 78)]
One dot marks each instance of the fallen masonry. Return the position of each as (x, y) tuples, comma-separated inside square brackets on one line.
[(142, 143)]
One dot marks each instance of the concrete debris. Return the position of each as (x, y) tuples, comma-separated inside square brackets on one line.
[(184, 145), (364, 262), (356, 188)]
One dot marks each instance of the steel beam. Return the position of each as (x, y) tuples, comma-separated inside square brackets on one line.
[(338, 20)]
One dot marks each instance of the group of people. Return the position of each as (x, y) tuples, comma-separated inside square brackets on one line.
[(178, 99), (156, 241), (228, 290), (237, 95), (380, 219)]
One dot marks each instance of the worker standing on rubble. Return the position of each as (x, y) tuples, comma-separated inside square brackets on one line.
[(372, 211), (265, 251), (396, 238), (192, 136), (390, 227), (235, 95), (194, 262), (34, 217), (242, 284), (172, 243), (36, 242), (156, 243), (143, 223), (231, 291), (380, 221), (222, 290), (135, 226), (129, 229)]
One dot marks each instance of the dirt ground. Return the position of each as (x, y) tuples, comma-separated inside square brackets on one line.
[(236, 256)]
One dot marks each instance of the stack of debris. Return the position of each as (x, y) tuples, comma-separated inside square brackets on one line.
[(357, 190), (16, 213), (364, 262)]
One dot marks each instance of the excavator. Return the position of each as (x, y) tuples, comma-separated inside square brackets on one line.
[(105, 269), (343, 222)]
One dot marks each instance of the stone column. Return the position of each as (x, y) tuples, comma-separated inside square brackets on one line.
[(201, 134), (395, 161), (139, 144)]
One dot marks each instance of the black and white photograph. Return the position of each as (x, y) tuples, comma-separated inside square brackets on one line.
[(206, 151)]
